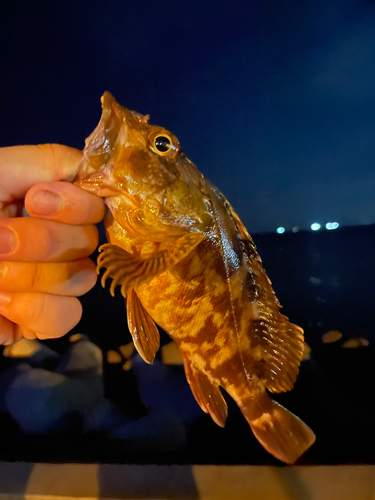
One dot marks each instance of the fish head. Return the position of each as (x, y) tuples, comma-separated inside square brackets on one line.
[(126, 158)]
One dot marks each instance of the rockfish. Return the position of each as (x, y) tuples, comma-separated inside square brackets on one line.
[(185, 261)]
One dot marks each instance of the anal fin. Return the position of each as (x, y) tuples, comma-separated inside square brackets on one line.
[(145, 333), (207, 394)]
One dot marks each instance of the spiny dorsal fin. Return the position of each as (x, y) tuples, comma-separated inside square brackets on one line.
[(145, 333), (207, 394)]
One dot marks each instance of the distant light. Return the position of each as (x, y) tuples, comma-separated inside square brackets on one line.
[(316, 226), (332, 225), (280, 230), (295, 229)]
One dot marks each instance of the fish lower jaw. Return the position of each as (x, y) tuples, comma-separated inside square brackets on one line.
[(99, 182)]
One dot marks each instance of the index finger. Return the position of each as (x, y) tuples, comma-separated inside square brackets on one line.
[(64, 202), (21, 167)]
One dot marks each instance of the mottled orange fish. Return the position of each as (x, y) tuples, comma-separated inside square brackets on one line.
[(185, 262)]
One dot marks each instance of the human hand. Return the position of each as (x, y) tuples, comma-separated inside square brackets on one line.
[(44, 262)]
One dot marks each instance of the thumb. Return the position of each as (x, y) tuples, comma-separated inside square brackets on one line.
[(21, 167)]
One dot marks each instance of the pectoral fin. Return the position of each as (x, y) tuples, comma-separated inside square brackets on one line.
[(125, 269), (207, 394), (145, 333), (129, 271)]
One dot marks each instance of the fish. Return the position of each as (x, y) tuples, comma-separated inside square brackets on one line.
[(184, 261)]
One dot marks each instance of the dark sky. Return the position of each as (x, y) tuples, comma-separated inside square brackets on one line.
[(273, 100)]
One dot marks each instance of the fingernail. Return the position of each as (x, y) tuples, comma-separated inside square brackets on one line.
[(86, 278), (8, 240), (5, 298), (46, 203)]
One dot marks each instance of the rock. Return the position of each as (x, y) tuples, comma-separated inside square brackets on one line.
[(36, 354), (165, 389), (83, 361), (82, 355), (43, 401)]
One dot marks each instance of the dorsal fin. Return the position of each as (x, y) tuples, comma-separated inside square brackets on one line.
[(280, 342), (281, 345)]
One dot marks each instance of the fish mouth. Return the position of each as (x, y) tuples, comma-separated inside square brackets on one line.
[(100, 182), (84, 170), (95, 171)]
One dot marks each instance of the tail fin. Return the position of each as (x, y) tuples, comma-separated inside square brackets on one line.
[(281, 433)]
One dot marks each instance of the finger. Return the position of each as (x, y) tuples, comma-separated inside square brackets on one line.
[(50, 316), (65, 278), (27, 239), (64, 202), (11, 210), (11, 333), (21, 167), (26, 333), (7, 331)]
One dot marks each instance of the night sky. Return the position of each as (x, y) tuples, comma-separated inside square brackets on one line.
[(273, 100)]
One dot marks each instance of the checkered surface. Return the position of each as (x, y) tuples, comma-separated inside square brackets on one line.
[(91, 481)]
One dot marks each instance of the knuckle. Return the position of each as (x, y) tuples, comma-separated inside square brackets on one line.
[(3, 271), (46, 243), (37, 240), (34, 276)]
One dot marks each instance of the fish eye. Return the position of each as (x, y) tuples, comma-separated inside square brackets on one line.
[(163, 143)]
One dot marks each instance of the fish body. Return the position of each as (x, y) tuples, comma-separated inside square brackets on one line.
[(185, 262)]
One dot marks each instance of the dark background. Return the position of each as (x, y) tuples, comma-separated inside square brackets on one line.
[(274, 102)]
